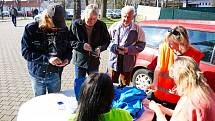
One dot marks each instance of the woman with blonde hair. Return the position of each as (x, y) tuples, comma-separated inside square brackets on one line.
[(178, 40), (176, 44), (197, 100), (46, 47)]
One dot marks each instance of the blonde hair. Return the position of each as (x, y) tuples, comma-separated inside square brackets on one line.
[(178, 34), (189, 79), (46, 21)]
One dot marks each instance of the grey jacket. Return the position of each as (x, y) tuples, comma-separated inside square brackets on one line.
[(133, 39)]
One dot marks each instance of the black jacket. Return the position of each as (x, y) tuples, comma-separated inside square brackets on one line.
[(39, 45), (99, 37)]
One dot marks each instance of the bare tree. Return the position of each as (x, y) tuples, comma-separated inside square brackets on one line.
[(87, 2), (213, 3), (173, 4), (77, 9), (1, 8), (162, 3), (166, 3), (186, 3), (103, 8), (18, 2), (128, 2)]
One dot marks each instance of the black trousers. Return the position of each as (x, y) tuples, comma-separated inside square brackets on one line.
[(14, 20)]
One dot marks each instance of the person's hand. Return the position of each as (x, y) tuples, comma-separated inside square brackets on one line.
[(157, 109), (87, 47), (120, 50), (125, 50), (98, 51), (155, 106), (55, 61), (151, 88), (64, 63)]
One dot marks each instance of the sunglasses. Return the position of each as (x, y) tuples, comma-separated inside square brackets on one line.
[(174, 32)]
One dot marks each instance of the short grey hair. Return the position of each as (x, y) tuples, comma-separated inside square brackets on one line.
[(91, 8), (128, 9)]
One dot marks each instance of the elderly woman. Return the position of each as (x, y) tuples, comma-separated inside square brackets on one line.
[(197, 100), (46, 47)]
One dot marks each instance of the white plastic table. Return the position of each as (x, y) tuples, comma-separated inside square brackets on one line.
[(49, 107)]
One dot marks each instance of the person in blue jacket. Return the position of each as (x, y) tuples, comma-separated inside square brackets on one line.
[(47, 49)]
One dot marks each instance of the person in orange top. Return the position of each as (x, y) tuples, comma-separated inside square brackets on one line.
[(176, 44), (197, 100)]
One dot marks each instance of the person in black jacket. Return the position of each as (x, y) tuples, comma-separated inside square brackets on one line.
[(89, 37), (35, 12), (47, 49), (13, 13)]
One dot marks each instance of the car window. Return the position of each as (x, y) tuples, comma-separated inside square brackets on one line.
[(154, 35), (203, 41)]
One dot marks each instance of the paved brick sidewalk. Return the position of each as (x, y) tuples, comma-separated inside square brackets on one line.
[(7, 19), (15, 87)]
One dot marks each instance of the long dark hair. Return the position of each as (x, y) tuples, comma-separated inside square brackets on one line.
[(96, 97)]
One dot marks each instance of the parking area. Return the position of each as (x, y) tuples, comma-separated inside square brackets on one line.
[(15, 86)]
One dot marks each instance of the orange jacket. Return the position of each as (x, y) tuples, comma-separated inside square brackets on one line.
[(164, 81)]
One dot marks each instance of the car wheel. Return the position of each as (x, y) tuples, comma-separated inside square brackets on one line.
[(142, 78)]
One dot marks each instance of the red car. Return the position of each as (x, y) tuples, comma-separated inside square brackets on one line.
[(201, 36)]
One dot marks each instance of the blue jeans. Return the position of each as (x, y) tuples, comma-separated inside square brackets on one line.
[(80, 76), (51, 83)]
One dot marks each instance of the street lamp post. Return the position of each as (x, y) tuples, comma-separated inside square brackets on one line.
[(114, 4)]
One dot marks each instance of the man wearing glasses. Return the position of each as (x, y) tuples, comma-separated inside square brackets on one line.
[(176, 44)]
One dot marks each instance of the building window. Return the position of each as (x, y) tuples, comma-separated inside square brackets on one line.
[(206, 3)]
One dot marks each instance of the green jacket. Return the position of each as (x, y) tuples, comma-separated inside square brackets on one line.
[(115, 114)]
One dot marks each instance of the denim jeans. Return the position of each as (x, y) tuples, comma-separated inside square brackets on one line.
[(51, 83), (80, 76)]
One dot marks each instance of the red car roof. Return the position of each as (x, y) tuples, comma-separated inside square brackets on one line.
[(188, 24)]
